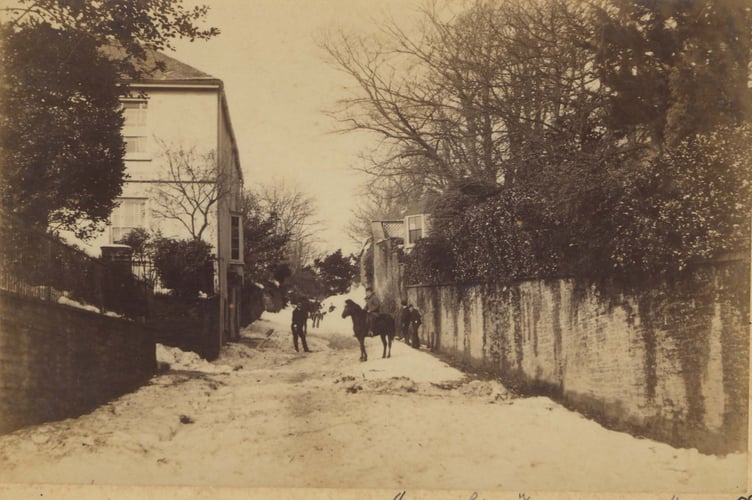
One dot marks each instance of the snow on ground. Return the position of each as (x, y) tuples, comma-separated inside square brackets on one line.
[(264, 415), (176, 359)]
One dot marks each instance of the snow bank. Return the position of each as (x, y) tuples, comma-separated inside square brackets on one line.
[(67, 301), (492, 389), (78, 305), (178, 359)]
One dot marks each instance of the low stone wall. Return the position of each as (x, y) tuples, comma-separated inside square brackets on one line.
[(57, 361), (670, 363), (190, 325)]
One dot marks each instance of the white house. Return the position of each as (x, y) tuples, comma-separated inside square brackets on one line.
[(178, 117)]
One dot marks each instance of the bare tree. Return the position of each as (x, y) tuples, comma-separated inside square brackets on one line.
[(296, 212), (190, 188), (423, 96), (502, 87), (380, 200)]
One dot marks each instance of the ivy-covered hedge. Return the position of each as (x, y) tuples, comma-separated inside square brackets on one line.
[(628, 221), (431, 261)]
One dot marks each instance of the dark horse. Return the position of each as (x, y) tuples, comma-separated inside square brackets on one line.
[(382, 326)]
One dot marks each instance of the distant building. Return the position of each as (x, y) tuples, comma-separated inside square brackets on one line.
[(390, 240)]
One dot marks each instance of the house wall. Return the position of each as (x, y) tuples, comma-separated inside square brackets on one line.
[(669, 363), (178, 117), (184, 118), (388, 280), (230, 272), (58, 362)]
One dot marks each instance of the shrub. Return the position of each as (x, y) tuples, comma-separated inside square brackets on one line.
[(140, 240), (184, 266), (336, 272), (631, 221)]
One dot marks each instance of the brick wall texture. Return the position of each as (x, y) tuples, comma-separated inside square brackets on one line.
[(670, 362), (58, 362)]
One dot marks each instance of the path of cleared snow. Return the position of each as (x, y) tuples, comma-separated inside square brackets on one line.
[(265, 416)]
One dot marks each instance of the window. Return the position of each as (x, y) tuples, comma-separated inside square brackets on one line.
[(414, 229), (128, 215), (236, 239), (135, 132), (135, 144), (134, 113)]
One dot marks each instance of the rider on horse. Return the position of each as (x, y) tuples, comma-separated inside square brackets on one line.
[(373, 307)]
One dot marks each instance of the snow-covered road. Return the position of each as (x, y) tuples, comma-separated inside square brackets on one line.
[(266, 416)]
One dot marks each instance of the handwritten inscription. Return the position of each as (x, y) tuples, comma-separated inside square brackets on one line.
[(402, 494), (524, 496)]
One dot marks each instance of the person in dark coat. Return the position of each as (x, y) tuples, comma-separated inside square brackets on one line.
[(414, 321), (410, 320), (405, 322), (299, 326)]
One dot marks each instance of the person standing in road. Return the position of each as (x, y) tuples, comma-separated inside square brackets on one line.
[(414, 321), (405, 322), (299, 326)]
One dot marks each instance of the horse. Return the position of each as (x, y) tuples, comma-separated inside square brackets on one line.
[(383, 326)]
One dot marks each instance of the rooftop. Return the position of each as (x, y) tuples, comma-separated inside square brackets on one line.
[(174, 70), (159, 67)]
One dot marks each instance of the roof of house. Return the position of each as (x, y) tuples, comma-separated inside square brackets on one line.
[(159, 67), (386, 229), (173, 70)]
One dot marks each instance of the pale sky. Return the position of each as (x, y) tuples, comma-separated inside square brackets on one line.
[(278, 83)]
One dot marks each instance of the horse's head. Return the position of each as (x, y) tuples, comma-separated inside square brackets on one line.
[(350, 308)]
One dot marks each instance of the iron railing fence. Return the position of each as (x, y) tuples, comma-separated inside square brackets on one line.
[(145, 270), (36, 264)]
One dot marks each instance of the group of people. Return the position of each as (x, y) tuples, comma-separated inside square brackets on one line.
[(410, 320)]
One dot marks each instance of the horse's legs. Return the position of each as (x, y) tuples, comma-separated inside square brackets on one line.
[(363, 355), (383, 341), (389, 354)]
